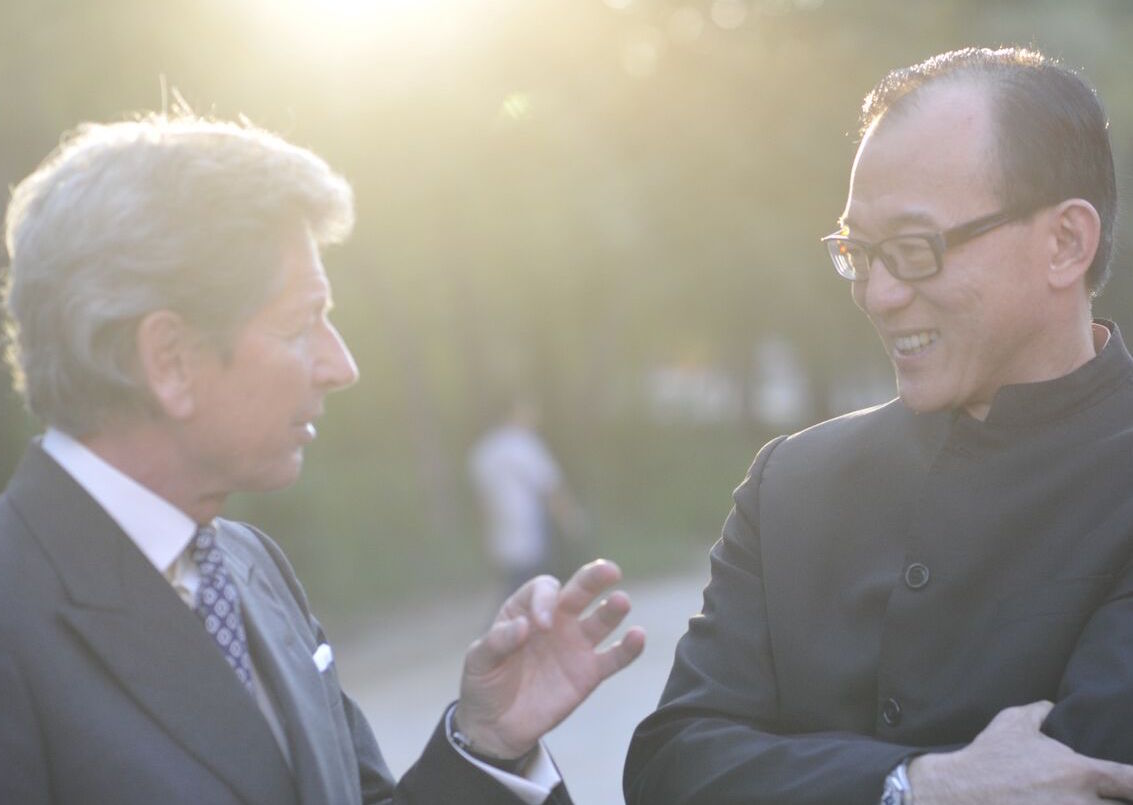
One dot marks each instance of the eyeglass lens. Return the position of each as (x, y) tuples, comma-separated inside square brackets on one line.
[(906, 257)]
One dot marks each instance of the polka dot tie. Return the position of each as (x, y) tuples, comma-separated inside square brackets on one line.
[(218, 604)]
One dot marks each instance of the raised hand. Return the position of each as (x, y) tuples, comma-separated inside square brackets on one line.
[(539, 661)]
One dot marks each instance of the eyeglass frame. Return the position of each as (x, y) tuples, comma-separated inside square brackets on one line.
[(939, 242)]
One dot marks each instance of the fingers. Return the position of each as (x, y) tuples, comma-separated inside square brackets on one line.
[(540, 596), (537, 598), (600, 623), (1116, 780), (622, 653), (1035, 713), (544, 598), (535, 605), (1027, 716), (585, 585), (501, 641)]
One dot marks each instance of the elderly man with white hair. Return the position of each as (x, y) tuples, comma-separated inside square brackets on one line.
[(169, 318)]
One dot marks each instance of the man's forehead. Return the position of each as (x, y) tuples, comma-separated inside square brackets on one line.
[(927, 163), (899, 219), (952, 104), (302, 278)]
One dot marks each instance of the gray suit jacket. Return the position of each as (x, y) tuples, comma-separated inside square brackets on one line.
[(110, 690)]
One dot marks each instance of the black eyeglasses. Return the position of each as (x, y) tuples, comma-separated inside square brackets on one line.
[(914, 256)]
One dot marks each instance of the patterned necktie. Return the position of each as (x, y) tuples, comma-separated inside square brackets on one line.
[(218, 604)]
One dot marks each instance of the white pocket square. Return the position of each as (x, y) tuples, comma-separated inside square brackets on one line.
[(323, 657)]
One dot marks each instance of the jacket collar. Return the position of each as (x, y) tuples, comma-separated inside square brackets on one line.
[(1035, 403)]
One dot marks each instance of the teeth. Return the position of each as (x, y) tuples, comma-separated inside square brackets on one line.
[(310, 429), (907, 344)]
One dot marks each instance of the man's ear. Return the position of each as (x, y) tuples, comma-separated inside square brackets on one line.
[(166, 345), (1074, 235)]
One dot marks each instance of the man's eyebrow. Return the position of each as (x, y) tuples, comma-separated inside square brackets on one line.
[(899, 221), (912, 218), (302, 306)]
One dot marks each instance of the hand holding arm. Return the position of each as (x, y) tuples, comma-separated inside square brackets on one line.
[(1011, 761), (538, 661)]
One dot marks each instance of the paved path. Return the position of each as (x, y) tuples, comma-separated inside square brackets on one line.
[(406, 670)]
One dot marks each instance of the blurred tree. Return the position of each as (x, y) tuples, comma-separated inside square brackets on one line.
[(567, 194)]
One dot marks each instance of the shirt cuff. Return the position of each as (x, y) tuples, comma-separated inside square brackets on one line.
[(533, 787)]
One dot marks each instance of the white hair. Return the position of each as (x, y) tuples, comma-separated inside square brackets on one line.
[(122, 219)]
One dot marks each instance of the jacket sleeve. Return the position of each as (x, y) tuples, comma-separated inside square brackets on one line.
[(714, 737), (442, 775), (1094, 708)]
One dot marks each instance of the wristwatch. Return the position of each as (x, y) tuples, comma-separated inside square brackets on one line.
[(509, 765), (897, 790)]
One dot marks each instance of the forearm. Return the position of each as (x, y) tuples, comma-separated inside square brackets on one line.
[(1012, 763), (1058, 752), (687, 758)]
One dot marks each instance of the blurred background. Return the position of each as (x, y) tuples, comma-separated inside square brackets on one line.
[(611, 207), (614, 205)]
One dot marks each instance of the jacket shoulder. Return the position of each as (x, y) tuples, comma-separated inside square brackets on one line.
[(863, 424), (884, 438)]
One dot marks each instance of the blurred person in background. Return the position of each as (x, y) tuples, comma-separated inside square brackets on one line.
[(528, 509), (931, 601), (169, 322)]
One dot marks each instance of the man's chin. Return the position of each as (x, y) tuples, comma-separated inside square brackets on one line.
[(921, 400), (280, 476)]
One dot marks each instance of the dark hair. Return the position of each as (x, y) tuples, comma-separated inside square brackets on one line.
[(1051, 130)]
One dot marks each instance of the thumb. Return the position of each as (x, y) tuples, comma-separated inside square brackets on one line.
[(1027, 716), (1036, 712)]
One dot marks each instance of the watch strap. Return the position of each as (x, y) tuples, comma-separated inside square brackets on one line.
[(509, 765)]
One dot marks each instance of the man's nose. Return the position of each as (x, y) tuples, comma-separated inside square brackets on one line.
[(882, 293), (335, 367)]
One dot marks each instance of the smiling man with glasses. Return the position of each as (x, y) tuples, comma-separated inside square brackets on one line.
[(931, 601)]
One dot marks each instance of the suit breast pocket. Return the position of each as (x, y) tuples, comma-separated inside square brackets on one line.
[(1073, 599)]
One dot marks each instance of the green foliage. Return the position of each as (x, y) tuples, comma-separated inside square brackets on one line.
[(359, 528), (556, 194)]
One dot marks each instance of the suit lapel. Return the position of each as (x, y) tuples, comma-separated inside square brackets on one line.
[(282, 644), (134, 623)]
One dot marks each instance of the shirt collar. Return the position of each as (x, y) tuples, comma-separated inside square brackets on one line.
[(159, 529)]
